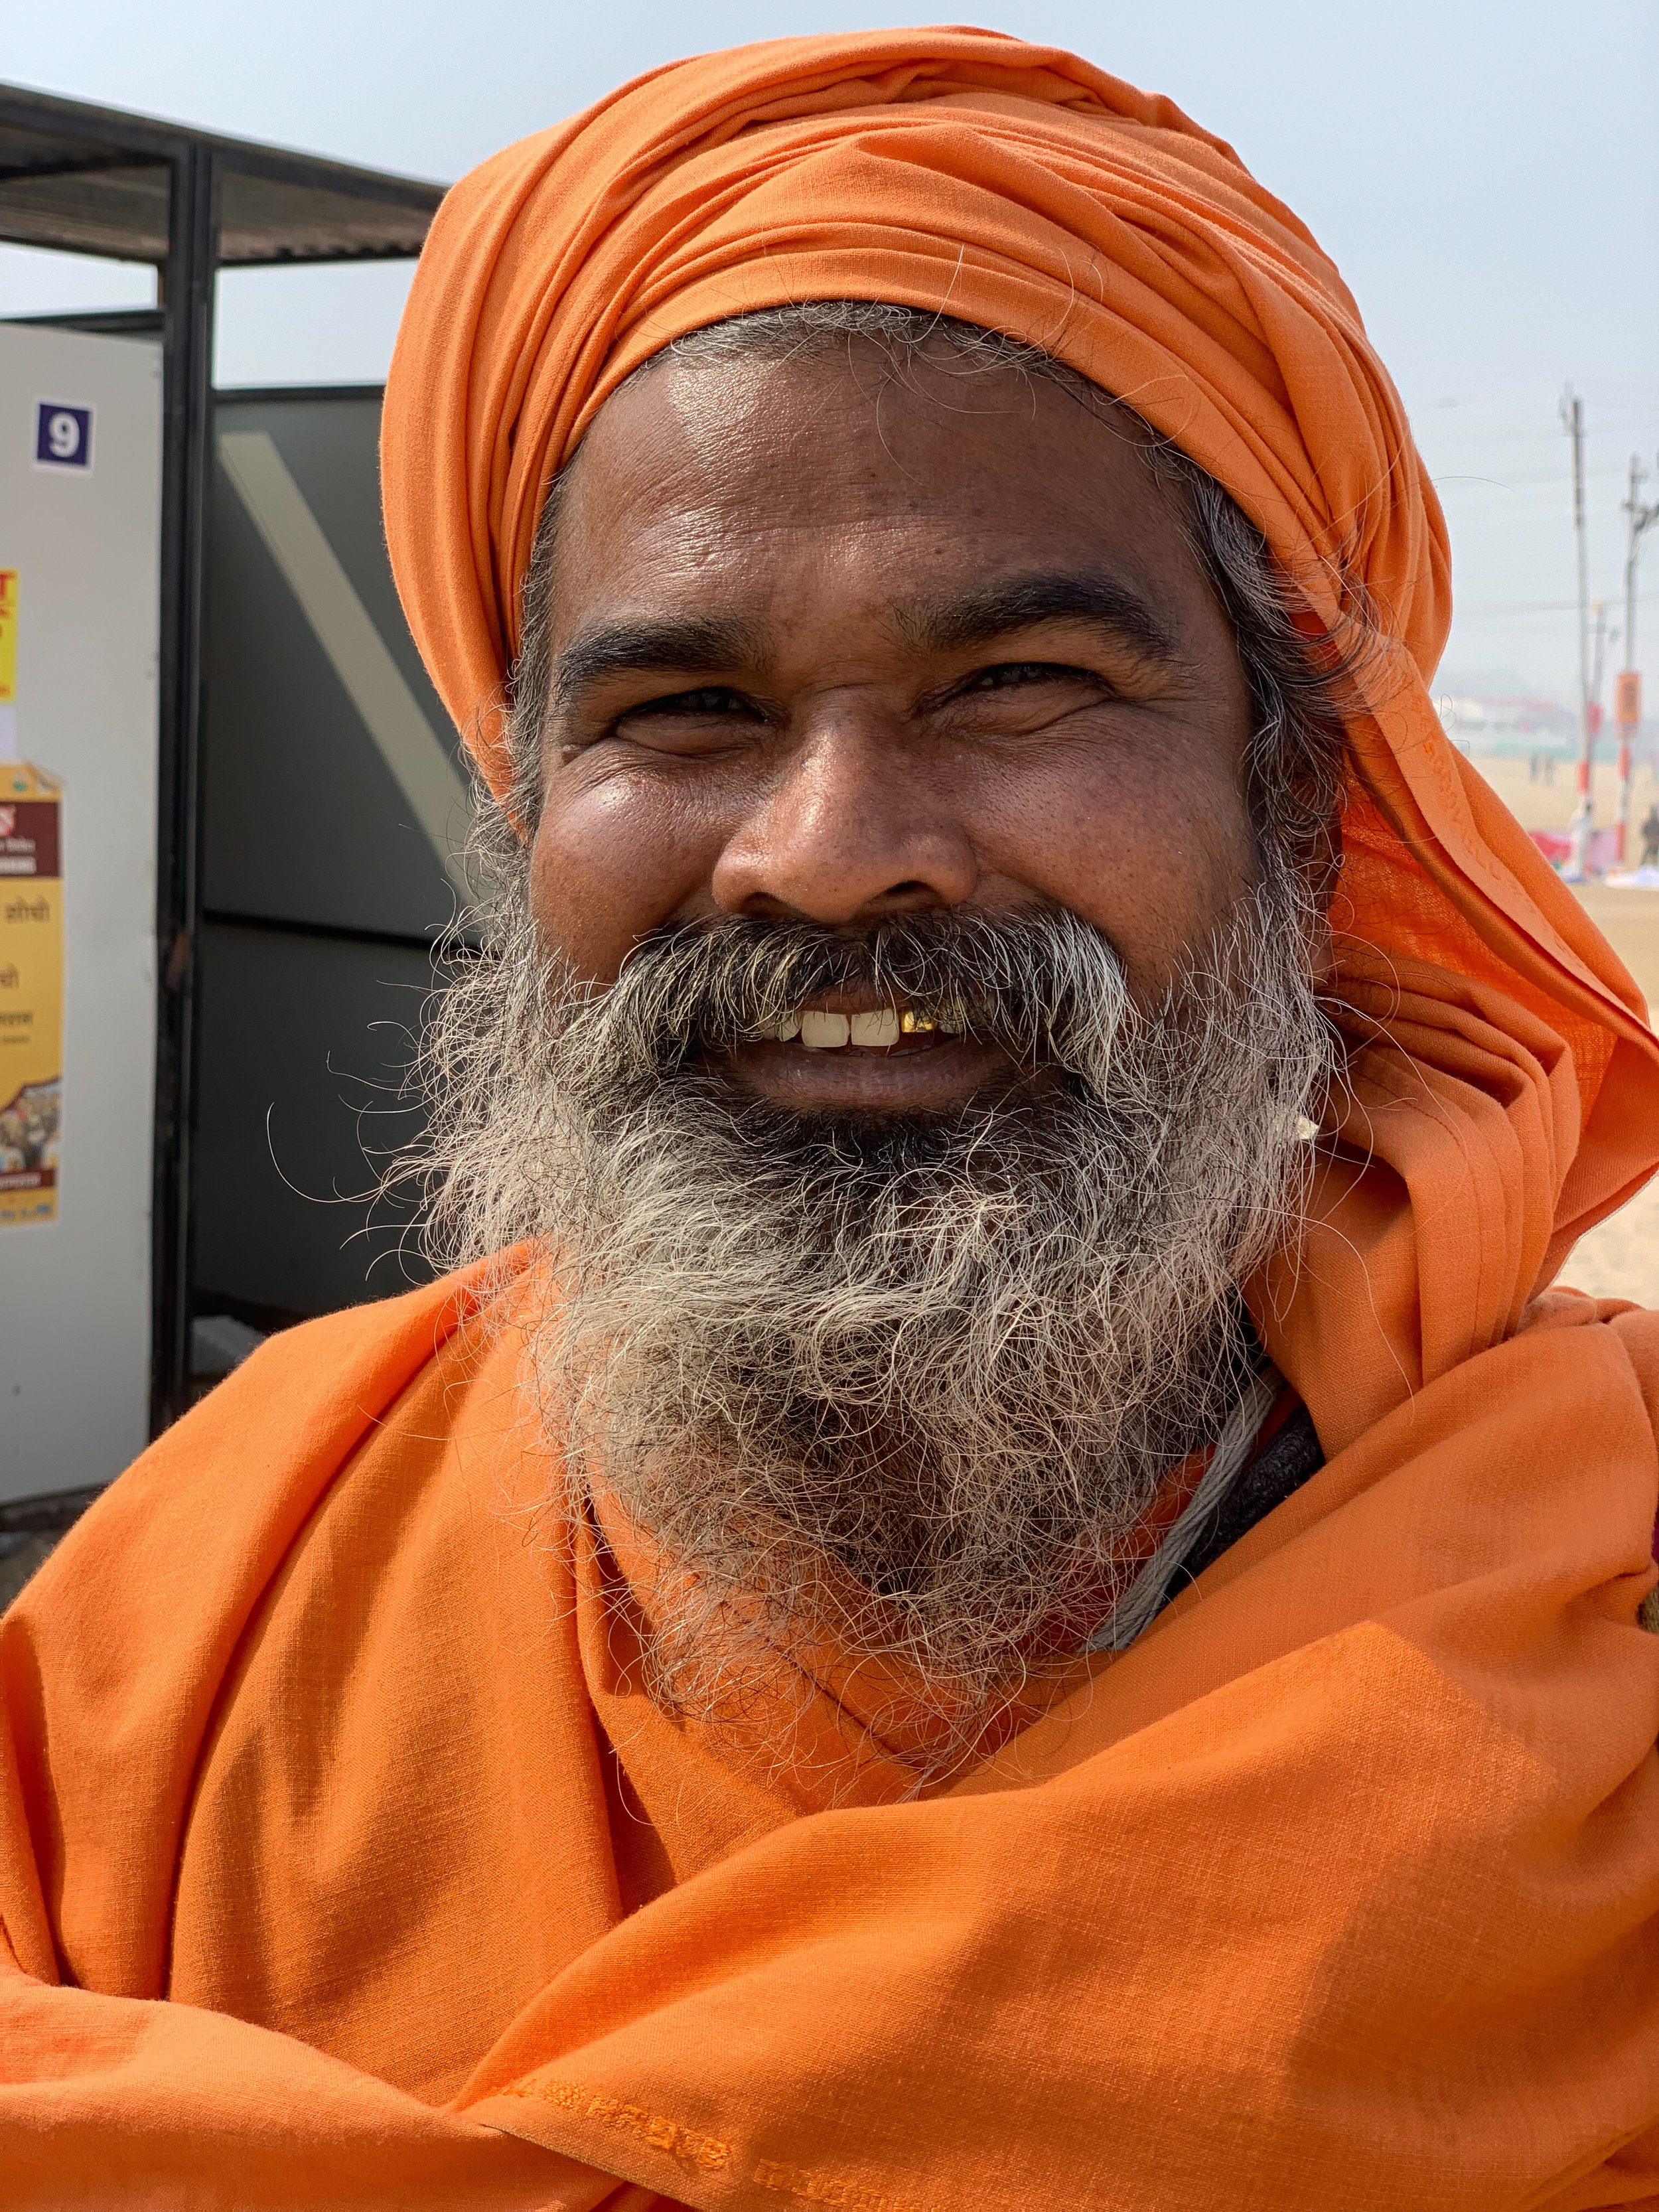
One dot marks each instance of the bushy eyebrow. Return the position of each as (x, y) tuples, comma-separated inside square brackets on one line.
[(693, 645), (1023, 602), (717, 645)]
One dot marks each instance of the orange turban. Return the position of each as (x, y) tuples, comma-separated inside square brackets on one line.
[(955, 171)]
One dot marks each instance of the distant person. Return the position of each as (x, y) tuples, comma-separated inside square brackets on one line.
[(1650, 837), (999, 1582)]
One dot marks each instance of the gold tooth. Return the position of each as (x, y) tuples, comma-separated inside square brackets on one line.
[(910, 1022)]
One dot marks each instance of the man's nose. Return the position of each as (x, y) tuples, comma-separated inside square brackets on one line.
[(854, 827)]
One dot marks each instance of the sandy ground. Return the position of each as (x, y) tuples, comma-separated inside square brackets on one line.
[(1620, 1260), (1541, 806)]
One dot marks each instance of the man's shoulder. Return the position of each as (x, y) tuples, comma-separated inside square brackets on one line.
[(226, 1488), (367, 1352), (191, 1655), (316, 1387)]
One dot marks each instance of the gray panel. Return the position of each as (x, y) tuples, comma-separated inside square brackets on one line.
[(304, 821), (303, 1042)]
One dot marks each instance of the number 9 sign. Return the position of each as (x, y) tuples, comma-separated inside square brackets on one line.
[(63, 435)]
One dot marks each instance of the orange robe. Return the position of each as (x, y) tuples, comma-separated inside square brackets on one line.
[(342, 1859)]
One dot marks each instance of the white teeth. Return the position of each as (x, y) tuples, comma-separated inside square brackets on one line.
[(824, 1032), (877, 1031), (1306, 1130)]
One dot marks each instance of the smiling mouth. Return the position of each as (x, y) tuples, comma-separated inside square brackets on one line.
[(884, 1061), (877, 1028)]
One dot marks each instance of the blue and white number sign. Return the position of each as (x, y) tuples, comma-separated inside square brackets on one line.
[(63, 435)]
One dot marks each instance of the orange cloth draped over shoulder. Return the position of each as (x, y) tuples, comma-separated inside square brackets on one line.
[(342, 1858)]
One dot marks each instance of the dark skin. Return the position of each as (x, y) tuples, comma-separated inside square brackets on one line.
[(834, 646)]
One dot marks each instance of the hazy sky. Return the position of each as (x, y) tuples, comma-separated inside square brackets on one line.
[(1486, 172)]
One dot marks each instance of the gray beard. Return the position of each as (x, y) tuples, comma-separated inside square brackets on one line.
[(918, 1379)]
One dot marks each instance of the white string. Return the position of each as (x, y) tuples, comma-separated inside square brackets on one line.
[(1137, 1608)]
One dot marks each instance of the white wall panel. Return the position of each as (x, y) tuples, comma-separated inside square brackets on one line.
[(75, 1292)]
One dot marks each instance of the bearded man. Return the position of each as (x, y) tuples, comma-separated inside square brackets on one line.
[(995, 1578)]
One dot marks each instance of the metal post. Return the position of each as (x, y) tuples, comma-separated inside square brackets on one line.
[(1627, 698), (1604, 637), (1598, 655), (186, 460), (1577, 867)]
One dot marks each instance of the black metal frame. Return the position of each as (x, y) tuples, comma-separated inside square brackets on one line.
[(319, 211), (186, 463)]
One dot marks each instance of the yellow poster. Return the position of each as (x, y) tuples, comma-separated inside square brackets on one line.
[(8, 664), (8, 637), (31, 991)]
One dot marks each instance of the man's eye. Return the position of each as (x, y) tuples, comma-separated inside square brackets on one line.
[(1010, 675), (712, 699), (710, 719)]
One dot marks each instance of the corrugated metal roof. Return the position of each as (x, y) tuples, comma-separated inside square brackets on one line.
[(86, 179)]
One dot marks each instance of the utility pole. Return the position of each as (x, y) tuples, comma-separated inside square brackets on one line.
[(1602, 634), (1577, 867), (1603, 638), (1628, 689)]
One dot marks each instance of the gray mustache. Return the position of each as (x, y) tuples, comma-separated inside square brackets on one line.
[(1033, 982)]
